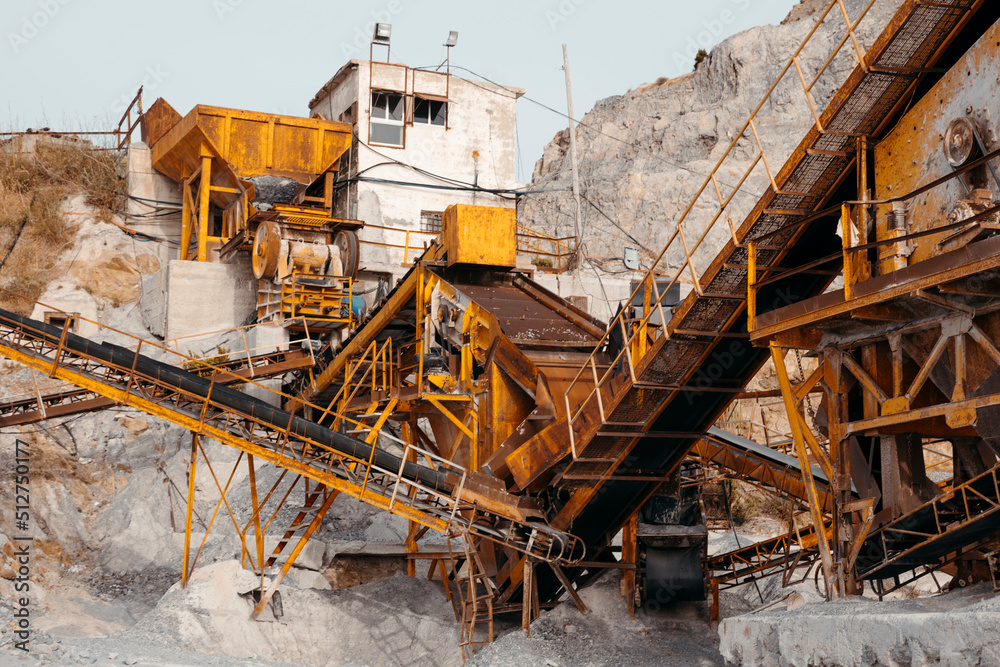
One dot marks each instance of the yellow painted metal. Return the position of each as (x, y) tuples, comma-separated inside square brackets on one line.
[(258, 534), (913, 153), (220, 148), (313, 527), (202, 429), (204, 193), (250, 142), (834, 586), (483, 235), (295, 299), (190, 508)]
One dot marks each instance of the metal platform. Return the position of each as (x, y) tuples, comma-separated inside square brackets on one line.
[(693, 369)]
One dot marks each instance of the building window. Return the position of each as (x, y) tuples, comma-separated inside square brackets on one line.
[(430, 221), (387, 119), (429, 112)]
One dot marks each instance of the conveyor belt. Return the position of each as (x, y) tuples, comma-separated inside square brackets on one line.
[(120, 359), (758, 465), (763, 558), (964, 515), (74, 401), (913, 41), (340, 461)]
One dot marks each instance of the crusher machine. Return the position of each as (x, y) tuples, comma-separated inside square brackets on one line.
[(475, 403), (264, 183)]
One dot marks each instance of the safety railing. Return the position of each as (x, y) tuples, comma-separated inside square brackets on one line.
[(122, 133), (925, 529), (716, 202), (857, 226), (310, 298), (547, 253), (410, 252), (127, 123), (371, 372), (785, 552), (210, 412)]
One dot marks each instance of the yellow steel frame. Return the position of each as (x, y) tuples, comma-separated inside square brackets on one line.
[(232, 430)]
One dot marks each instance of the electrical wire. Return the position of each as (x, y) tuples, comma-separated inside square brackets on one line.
[(620, 228), (631, 144), (445, 179), (17, 236)]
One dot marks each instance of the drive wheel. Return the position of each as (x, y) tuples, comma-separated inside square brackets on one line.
[(347, 243), (266, 247)]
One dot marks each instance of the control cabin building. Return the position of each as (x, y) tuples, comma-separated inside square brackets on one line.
[(434, 132)]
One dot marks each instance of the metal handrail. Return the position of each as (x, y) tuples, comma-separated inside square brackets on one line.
[(410, 497), (561, 250), (123, 137), (639, 330)]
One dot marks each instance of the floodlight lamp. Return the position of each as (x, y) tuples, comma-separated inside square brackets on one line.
[(452, 38), (382, 33)]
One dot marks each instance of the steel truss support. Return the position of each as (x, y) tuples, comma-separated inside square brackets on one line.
[(833, 576)]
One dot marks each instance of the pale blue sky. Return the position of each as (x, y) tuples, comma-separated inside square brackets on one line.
[(73, 64)]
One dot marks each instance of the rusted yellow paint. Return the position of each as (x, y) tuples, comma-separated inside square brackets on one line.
[(196, 426), (252, 143), (482, 235), (913, 154)]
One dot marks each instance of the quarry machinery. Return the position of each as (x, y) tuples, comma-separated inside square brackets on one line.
[(907, 349), (476, 403), (264, 183), (652, 389), (681, 376)]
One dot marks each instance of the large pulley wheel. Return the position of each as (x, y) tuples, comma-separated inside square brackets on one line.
[(346, 242), (960, 145), (266, 248)]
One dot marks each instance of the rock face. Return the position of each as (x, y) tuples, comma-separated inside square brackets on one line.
[(954, 629), (643, 155)]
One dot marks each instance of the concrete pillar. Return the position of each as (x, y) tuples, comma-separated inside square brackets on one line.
[(152, 198)]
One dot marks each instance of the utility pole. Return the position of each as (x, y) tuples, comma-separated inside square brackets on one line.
[(572, 146)]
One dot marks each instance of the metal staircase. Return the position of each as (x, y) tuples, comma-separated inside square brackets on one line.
[(666, 385)]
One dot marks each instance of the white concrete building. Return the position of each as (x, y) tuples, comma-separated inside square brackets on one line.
[(421, 138)]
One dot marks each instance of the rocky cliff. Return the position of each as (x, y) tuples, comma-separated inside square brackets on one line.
[(643, 155)]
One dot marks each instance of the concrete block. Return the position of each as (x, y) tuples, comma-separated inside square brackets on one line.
[(153, 302), (267, 337), (203, 297), (152, 194), (307, 579), (67, 297), (954, 629), (267, 391)]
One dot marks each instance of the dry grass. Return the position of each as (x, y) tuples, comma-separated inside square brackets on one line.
[(33, 233), (748, 502)]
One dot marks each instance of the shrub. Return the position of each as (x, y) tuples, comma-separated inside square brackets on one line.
[(33, 233)]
